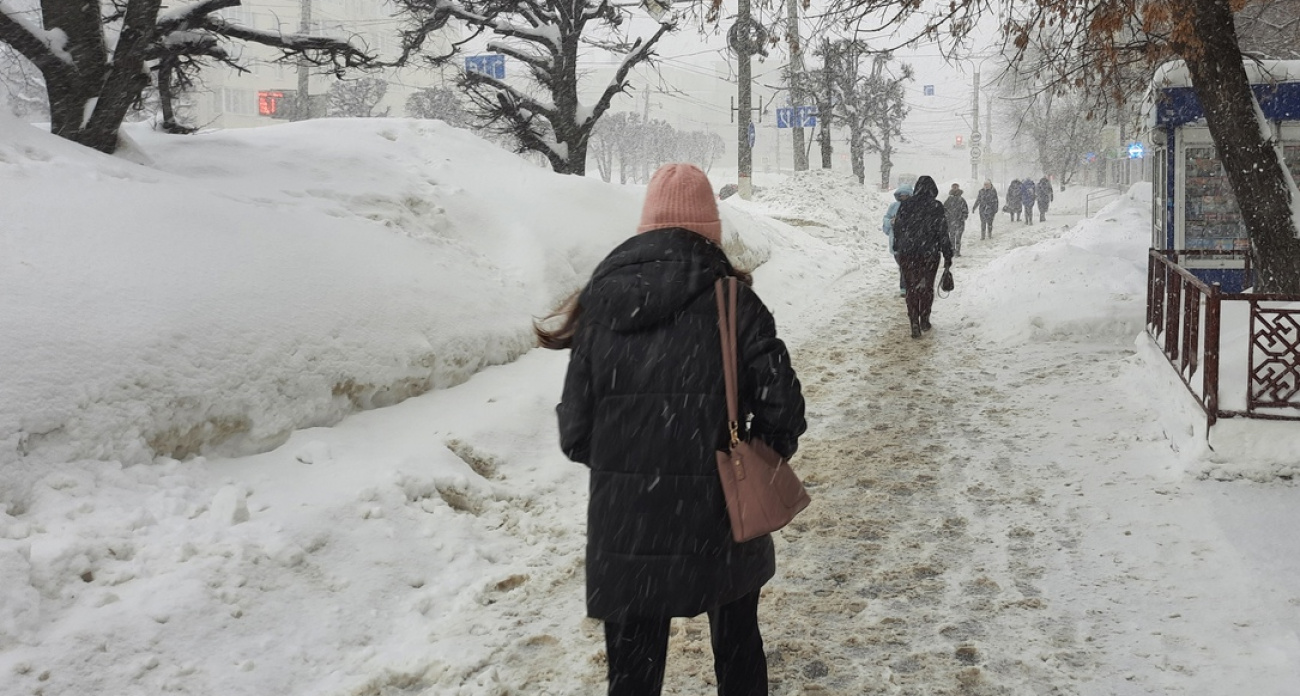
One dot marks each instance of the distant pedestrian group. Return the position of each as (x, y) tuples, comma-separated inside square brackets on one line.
[(1023, 195)]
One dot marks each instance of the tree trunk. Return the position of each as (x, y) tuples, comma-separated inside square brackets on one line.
[(89, 103), (886, 164), (1252, 162), (857, 153), (824, 136)]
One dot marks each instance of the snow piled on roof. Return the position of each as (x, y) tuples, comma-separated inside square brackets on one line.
[(1174, 73)]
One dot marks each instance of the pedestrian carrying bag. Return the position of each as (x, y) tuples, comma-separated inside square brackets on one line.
[(946, 283), (762, 491)]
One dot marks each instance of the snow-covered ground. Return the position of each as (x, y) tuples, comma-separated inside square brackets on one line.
[(1016, 504)]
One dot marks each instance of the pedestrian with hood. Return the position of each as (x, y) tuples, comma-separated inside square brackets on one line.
[(956, 211), (902, 193), (986, 202), (644, 408), (1045, 196), (1013, 199), (921, 237), (1027, 196)]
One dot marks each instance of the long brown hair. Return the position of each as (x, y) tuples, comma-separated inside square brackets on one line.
[(562, 336), (570, 311)]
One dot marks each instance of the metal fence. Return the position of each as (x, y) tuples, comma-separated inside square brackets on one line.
[(1185, 320)]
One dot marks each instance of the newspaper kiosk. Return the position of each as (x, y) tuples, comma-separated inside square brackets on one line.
[(1194, 213)]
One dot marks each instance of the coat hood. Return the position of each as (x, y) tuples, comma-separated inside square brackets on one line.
[(903, 190), (926, 188), (650, 277)]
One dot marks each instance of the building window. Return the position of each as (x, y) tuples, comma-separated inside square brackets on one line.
[(238, 101)]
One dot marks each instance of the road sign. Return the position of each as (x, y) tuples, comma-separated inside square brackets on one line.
[(975, 152), (928, 90), (975, 138), (491, 64), (1136, 150), (796, 117), (807, 116), (784, 116), (752, 133)]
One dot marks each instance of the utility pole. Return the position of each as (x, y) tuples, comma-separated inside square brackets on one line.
[(975, 132), (303, 112), (796, 74), (988, 132), (828, 101), (744, 154)]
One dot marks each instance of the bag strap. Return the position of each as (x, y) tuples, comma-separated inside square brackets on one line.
[(727, 329)]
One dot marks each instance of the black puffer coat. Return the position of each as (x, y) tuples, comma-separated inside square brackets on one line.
[(644, 408), (921, 228)]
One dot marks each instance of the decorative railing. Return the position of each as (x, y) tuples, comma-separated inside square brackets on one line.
[(1185, 320)]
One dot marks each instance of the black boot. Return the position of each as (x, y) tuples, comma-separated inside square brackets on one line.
[(916, 330), (925, 323)]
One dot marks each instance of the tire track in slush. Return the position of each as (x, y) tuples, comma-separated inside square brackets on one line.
[(914, 570)]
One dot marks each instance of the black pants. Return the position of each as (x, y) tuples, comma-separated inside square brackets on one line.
[(919, 271), (637, 649), (955, 231), (986, 227)]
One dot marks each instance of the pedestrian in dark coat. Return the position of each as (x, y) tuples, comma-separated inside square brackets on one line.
[(1013, 199), (986, 202), (1045, 197), (956, 211), (644, 408), (921, 236), (1027, 195)]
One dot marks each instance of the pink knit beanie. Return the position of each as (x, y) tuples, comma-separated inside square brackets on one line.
[(680, 195)]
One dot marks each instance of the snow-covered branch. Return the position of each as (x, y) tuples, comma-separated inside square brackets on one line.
[(45, 49), (641, 51), (317, 50)]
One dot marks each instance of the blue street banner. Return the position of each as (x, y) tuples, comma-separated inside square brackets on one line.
[(491, 64), (928, 90), (753, 133)]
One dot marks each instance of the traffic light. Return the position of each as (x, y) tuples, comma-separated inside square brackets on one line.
[(960, 142)]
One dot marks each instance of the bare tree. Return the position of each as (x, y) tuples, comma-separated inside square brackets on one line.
[(1108, 48), (544, 36), (1059, 125), (22, 84), (1270, 29), (872, 106), (356, 98), (98, 59)]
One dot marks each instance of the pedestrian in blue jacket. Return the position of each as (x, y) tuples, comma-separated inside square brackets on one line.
[(901, 194)]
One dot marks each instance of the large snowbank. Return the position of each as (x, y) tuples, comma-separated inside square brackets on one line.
[(1099, 264), (391, 257), (1089, 285)]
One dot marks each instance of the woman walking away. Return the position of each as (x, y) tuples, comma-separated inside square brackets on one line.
[(956, 211), (901, 194), (986, 201), (921, 236), (1045, 196), (644, 408), (1013, 199), (1027, 195)]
